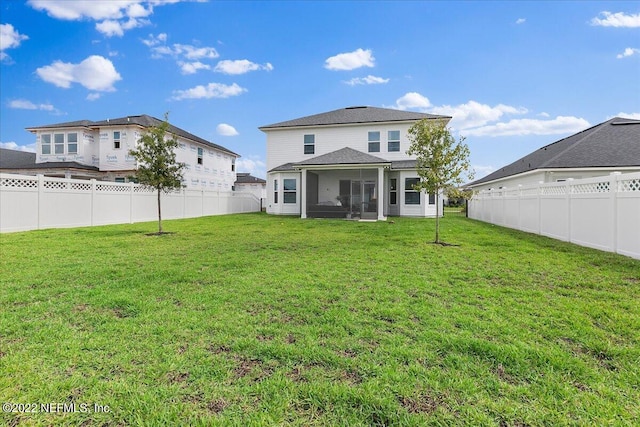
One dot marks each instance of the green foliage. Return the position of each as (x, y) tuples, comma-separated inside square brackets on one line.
[(156, 157), (279, 327), (442, 162), (155, 154)]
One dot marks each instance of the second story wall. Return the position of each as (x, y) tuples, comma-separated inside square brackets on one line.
[(385, 140)]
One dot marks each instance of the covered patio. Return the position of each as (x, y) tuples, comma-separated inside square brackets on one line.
[(343, 184)]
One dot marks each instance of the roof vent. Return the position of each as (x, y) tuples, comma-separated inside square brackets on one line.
[(356, 107)]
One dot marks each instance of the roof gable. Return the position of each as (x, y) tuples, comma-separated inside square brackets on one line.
[(354, 115), (614, 143)]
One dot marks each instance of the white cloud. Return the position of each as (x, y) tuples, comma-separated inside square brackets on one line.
[(519, 127), (412, 100), (185, 51), (521, 21), (93, 96), (155, 40), (544, 114), (617, 20), (112, 28), (95, 73), (476, 119), (240, 66), (351, 60), (24, 104), (253, 165), (226, 130), (192, 67), (369, 80), (115, 17), (635, 116), (212, 90), (628, 52), (31, 148), (9, 38), (473, 114)]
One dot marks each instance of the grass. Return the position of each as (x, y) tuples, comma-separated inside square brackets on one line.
[(261, 320)]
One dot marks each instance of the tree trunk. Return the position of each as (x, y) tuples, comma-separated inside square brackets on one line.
[(159, 214), (437, 217)]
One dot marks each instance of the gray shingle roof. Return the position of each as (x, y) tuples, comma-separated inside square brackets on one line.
[(246, 178), (614, 143), (142, 120), (343, 156), (355, 115), (14, 159)]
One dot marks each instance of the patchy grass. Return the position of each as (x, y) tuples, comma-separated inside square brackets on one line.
[(262, 320)]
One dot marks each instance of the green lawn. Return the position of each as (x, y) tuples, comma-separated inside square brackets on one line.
[(261, 320)]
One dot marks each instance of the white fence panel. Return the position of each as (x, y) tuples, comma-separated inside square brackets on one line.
[(602, 212), (36, 202)]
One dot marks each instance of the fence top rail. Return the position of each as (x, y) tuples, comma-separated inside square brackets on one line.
[(601, 184)]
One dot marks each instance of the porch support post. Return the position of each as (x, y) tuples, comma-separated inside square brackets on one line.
[(303, 194), (381, 216)]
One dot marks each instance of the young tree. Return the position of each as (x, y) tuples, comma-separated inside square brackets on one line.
[(156, 158), (442, 162)]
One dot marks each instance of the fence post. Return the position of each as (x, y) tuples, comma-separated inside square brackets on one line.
[(93, 200), (613, 188), (131, 203), (539, 196), (40, 191), (569, 190)]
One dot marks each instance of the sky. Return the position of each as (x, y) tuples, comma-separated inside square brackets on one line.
[(515, 76)]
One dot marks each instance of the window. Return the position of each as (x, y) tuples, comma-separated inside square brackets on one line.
[(374, 142), (309, 144), (411, 196), (275, 191), (289, 190), (72, 143), (393, 140), (45, 140), (233, 164), (432, 199), (116, 140), (393, 191), (200, 152), (119, 180), (58, 143)]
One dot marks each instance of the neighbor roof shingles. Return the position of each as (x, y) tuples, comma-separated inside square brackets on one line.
[(614, 143), (354, 115)]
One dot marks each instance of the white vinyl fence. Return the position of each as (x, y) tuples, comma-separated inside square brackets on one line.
[(37, 202), (601, 213)]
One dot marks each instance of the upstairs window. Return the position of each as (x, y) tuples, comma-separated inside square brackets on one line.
[(200, 154), (45, 143), (116, 140), (72, 143), (374, 142), (309, 144), (411, 196), (233, 164), (393, 140), (58, 143)]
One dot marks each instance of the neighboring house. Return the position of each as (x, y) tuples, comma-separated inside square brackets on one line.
[(611, 146), (347, 163), (24, 163), (86, 149), (250, 184)]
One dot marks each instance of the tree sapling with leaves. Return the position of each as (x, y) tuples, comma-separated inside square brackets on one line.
[(155, 154)]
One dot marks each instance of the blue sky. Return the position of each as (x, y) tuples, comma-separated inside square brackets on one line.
[(514, 75)]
